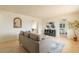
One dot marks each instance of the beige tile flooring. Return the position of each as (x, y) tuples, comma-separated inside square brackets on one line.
[(12, 46)]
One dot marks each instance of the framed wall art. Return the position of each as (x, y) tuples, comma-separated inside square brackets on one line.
[(17, 22)]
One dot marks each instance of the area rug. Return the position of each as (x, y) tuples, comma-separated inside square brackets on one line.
[(57, 47)]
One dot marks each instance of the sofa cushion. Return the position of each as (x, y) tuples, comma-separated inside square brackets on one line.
[(34, 36), (27, 34), (21, 33)]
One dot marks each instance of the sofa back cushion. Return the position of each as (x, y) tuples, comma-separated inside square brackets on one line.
[(21, 33), (34, 37), (27, 34)]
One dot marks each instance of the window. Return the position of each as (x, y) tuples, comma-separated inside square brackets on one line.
[(62, 25)]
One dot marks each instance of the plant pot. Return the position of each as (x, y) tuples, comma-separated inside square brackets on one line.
[(75, 38)]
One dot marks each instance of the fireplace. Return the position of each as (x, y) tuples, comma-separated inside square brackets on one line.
[(50, 32)]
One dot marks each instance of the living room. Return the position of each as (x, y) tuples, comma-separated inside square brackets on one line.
[(48, 22)]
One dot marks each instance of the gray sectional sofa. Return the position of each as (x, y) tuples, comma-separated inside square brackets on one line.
[(34, 43), (29, 41)]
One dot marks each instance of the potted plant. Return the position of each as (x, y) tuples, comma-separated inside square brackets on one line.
[(75, 27)]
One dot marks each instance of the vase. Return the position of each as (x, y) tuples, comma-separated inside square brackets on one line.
[(75, 38)]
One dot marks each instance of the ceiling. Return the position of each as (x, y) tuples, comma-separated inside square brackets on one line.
[(40, 11)]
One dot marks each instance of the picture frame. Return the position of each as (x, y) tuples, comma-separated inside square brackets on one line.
[(17, 22)]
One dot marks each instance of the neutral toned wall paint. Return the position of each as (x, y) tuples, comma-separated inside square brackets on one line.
[(69, 17), (6, 24)]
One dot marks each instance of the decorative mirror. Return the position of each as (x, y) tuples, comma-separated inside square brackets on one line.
[(52, 25), (17, 22)]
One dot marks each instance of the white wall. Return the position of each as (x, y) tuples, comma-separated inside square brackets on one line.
[(6, 24), (69, 17)]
